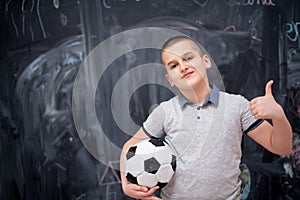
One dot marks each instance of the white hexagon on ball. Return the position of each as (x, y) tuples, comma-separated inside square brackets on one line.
[(163, 155), (147, 179), (165, 173), (145, 149), (135, 165)]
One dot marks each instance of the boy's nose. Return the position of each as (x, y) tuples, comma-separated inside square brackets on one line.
[(183, 67)]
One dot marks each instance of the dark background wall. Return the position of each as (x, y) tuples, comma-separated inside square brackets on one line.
[(43, 43)]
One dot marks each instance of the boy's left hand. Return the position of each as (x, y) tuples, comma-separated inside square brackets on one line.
[(265, 107)]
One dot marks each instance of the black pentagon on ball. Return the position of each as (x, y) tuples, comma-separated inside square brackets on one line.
[(157, 142), (131, 152), (131, 178), (151, 165)]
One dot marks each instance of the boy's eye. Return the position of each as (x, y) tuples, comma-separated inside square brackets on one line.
[(173, 66), (189, 58)]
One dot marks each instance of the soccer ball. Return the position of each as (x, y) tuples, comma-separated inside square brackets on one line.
[(150, 162)]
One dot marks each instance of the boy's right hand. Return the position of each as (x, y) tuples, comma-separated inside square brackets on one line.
[(139, 192)]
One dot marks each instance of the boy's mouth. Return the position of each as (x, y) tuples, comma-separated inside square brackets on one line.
[(187, 75)]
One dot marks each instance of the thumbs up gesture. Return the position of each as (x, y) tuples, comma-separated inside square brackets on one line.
[(265, 107)]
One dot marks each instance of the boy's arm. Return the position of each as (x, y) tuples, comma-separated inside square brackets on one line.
[(130, 189), (276, 138)]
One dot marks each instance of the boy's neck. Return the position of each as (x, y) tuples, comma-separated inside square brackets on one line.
[(198, 95)]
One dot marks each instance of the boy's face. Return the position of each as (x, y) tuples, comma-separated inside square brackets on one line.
[(185, 65)]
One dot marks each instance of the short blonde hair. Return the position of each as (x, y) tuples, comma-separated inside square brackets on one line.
[(180, 38)]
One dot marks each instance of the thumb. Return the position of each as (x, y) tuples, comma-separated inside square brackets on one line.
[(268, 88)]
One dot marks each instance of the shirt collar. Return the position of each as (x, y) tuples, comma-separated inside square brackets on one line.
[(213, 97)]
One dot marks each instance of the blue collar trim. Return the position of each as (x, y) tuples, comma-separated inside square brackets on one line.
[(213, 97)]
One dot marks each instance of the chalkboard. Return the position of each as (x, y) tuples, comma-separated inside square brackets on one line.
[(44, 45)]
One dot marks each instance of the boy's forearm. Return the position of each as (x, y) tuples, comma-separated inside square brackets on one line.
[(282, 135), (123, 178)]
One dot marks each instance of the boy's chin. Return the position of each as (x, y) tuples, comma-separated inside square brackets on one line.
[(186, 87), (192, 83)]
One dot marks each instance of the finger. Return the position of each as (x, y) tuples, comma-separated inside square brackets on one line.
[(255, 101), (268, 89), (258, 116), (253, 107), (139, 188), (252, 102), (152, 190), (253, 111), (255, 114), (149, 194)]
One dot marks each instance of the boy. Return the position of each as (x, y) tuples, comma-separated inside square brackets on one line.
[(205, 126)]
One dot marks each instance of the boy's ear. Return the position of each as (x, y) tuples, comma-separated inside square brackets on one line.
[(170, 80), (207, 61)]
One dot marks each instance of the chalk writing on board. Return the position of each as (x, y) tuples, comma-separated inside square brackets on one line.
[(108, 179), (201, 3), (230, 28), (109, 176), (110, 195), (16, 20), (253, 33), (249, 2), (105, 4), (292, 32)]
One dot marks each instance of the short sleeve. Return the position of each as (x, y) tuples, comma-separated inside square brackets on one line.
[(247, 119), (153, 126)]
